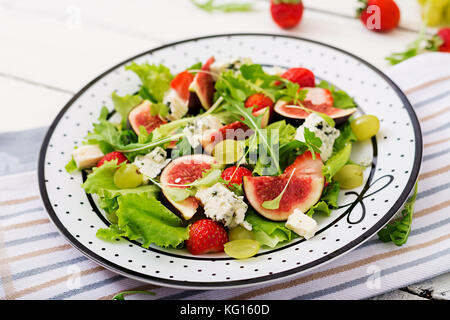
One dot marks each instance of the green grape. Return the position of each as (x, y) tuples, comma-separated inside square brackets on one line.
[(239, 233), (365, 127), (228, 151), (433, 12), (350, 176), (242, 248), (127, 176)]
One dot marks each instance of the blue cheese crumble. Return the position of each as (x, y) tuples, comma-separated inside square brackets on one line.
[(197, 129), (322, 130), (151, 164), (223, 205)]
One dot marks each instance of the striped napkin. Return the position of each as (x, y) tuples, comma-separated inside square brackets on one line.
[(37, 263)]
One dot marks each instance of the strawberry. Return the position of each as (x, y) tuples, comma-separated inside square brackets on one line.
[(379, 15), (302, 76), (206, 236), (181, 84), (115, 155), (235, 130), (286, 13), (234, 175), (440, 41), (443, 41), (258, 101)]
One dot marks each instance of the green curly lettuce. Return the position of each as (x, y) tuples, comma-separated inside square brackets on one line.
[(266, 232)]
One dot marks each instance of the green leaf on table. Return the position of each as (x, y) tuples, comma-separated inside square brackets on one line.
[(398, 231), (121, 295), (210, 6)]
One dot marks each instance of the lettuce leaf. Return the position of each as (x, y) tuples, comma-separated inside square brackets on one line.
[(341, 99), (155, 80), (328, 200), (101, 182), (123, 105), (144, 218), (336, 162), (266, 232), (346, 135)]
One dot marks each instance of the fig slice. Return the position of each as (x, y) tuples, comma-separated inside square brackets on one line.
[(317, 99), (181, 171), (303, 191), (141, 116), (203, 86)]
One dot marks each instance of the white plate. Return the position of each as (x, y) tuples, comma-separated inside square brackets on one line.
[(396, 154)]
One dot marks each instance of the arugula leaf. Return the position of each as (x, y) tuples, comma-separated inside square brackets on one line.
[(341, 98), (209, 6), (71, 166), (398, 232), (289, 152), (275, 203), (123, 105), (267, 232), (312, 142), (155, 80), (121, 295), (182, 148), (414, 48), (293, 94), (245, 116), (250, 79)]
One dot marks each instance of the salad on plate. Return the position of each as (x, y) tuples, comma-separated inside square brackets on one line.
[(227, 157)]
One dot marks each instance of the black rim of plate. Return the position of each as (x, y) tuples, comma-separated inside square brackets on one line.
[(232, 283)]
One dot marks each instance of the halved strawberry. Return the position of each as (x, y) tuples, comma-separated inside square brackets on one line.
[(318, 97), (234, 175), (206, 236), (258, 101), (181, 84), (112, 156)]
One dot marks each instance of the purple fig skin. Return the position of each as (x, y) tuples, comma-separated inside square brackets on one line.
[(339, 117), (186, 208)]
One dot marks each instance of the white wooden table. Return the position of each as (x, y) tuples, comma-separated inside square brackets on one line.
[(50, 49)]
